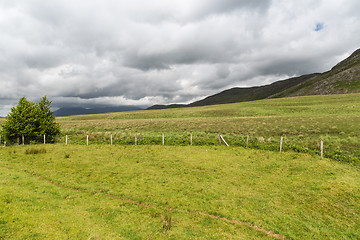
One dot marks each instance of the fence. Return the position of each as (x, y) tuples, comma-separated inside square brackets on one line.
[(346, 152)]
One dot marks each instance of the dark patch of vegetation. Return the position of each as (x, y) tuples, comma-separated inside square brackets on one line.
[(35, 151)]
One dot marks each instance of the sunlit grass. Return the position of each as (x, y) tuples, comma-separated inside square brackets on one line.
[(294, 195), (303, 121)]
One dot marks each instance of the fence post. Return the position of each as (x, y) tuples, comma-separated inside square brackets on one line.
[(135, 140), (224, 140), (191, 140), (111, 141), (281, 143), (23, 140), (247, 141), (4, 143), (87, 140), (322, 148), (66, 140), (163, 139), (44, 139)]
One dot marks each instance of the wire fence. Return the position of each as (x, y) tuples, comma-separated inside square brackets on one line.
[(345, 150)]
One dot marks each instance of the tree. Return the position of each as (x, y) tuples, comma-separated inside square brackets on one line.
[(30, 120)]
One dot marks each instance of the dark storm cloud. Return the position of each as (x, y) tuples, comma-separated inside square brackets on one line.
[(116, 52)]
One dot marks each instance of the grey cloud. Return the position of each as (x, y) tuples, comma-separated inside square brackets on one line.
[(148, 52), (232, 5)]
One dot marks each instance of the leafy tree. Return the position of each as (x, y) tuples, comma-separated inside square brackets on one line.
[(31, 120)]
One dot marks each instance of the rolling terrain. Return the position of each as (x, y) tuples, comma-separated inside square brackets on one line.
[(68, 111), (341, 79), (302, 121), (178, 191)]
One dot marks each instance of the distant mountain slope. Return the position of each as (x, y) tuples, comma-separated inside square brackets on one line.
[(68, 111), (342, 78), (166, 106), (253, 93)]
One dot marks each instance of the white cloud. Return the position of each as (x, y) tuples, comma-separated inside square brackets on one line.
[(147, 52)]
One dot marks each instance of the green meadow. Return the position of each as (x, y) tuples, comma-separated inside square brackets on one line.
[(174, 192), (178, 191), (302, 121)]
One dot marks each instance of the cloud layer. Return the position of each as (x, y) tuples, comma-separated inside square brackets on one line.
[(116, 52)]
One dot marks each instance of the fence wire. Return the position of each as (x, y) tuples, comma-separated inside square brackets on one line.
[(346, 150)]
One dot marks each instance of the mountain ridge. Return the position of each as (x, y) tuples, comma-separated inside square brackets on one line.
[(343, 78), (69, 111)]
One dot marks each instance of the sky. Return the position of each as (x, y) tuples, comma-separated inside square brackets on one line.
[(94, 53)]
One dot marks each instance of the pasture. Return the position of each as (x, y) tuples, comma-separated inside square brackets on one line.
[(174, 192), (302, 121), (204, 191)]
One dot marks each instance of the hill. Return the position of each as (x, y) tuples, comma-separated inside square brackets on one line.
[(342, 78), (234, 95), (68, 111), (304, 121), (166, 106)]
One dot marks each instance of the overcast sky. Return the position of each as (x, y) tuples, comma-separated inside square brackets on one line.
[(142, 52)]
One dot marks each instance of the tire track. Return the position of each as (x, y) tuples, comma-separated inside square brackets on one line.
[(232, 221)]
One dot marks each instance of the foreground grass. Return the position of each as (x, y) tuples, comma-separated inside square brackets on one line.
[(164, 192)]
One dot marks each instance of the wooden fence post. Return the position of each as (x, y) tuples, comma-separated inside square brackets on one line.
[(66, 140), (163, 139), (281, 143), (23, 140), (87, 140), (44, 139), (322, 148), (191, 139), (247, 141), (135, 140), (111, 141), (224, 140)]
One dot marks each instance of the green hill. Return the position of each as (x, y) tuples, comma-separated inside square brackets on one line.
[(341, 79), (303, 121), (254, 93)]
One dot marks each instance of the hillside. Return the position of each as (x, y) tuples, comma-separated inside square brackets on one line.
[(342, 78), (303, 121), (254, 93), (68, 111)]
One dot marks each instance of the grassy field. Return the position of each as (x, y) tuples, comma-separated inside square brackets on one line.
[(174, 192), (177, 191), (303, 121)]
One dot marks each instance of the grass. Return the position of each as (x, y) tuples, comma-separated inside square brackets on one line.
[(179, 191), (303, 121), (170, 192)]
